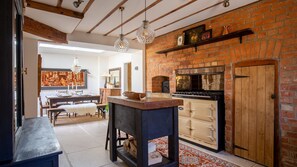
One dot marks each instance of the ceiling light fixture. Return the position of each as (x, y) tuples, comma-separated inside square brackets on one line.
[(226, 3), (145, 34), (121, 44), (77, 3), (45, 45)]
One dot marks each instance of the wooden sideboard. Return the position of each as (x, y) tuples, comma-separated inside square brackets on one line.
[(105, 92)]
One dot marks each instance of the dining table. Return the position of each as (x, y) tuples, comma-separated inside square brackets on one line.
[(54, 100)]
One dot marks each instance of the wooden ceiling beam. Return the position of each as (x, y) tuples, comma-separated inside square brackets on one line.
[(59, 4), (89, 4), (42, 30), (189, 15), (54, 9), (186, 17), (166, 14), (108, 15), (137, 14)]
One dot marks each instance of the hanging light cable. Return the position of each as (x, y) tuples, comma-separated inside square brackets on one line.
[(145, 34), (121, 44)]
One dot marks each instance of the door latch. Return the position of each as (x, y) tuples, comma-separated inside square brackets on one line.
[(272, 96)]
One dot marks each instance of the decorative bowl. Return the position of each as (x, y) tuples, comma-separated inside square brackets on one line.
[(133, 95)]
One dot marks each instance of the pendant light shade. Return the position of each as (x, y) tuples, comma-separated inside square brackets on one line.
[(121, 44), (145, 34)]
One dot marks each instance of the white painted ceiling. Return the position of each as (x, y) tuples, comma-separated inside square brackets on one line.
[(100, 8)]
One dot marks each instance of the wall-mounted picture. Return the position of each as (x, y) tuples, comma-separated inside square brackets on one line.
[(180, 40), (53, 78), (206, 34), (194, 35)]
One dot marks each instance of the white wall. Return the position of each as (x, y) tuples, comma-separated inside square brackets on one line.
[(136, 59), (90, 63), (50, 60), (138, 75), (31, 79), (103, 69)]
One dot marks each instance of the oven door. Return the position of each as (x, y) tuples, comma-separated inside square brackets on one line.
[(183, 83)]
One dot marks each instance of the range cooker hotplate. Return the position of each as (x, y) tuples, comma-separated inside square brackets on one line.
[(201, 94)]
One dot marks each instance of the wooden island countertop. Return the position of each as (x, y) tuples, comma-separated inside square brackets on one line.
[(146, 103)]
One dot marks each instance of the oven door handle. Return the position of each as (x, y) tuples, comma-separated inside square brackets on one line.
[(211, 133), (210, 115)]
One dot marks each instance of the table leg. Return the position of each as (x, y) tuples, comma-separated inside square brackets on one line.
[(142, 138), (173, 147), (113, 134), (51, 115)]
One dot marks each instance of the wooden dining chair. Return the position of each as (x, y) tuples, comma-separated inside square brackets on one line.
[(42, 107), (101, 106)]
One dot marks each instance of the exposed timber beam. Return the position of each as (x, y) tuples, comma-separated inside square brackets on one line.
[(54, 9), (42, 30), (88, 6), (137, 14), (108, 15), (190, 15), (166, 14)]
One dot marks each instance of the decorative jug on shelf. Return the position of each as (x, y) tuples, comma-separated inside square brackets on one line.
[(226, 29)]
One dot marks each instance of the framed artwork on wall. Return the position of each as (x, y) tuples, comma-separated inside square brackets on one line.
[(180, 40), (54, 78), (193, 35)]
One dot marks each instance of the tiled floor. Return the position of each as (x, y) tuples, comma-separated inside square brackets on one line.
[(83, 146)]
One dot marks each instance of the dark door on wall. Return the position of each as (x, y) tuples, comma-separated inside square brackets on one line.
[(254, 95)]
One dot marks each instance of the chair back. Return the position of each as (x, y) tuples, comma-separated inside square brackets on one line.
[(101, 96)]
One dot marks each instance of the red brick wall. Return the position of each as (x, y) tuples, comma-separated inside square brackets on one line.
[(157, 83), (274, 23)]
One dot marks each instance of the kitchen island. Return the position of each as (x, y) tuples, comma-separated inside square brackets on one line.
[(145, 120)]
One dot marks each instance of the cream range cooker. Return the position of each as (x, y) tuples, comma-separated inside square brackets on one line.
[(202, 118)]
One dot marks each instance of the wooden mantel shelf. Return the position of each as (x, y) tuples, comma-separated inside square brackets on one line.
[(237, 34)]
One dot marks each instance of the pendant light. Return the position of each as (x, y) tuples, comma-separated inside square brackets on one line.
[(76, 68), (145, 34), (121, 44)]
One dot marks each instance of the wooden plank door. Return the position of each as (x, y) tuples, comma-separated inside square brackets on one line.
[(254, 113), (129, 77)]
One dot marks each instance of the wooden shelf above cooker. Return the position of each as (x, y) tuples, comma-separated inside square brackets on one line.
[(237, 34)]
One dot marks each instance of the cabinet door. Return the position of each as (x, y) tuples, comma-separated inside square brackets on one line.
[(115, 92), (205, 110), (185, 109), (184, 125), (203, 131)]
